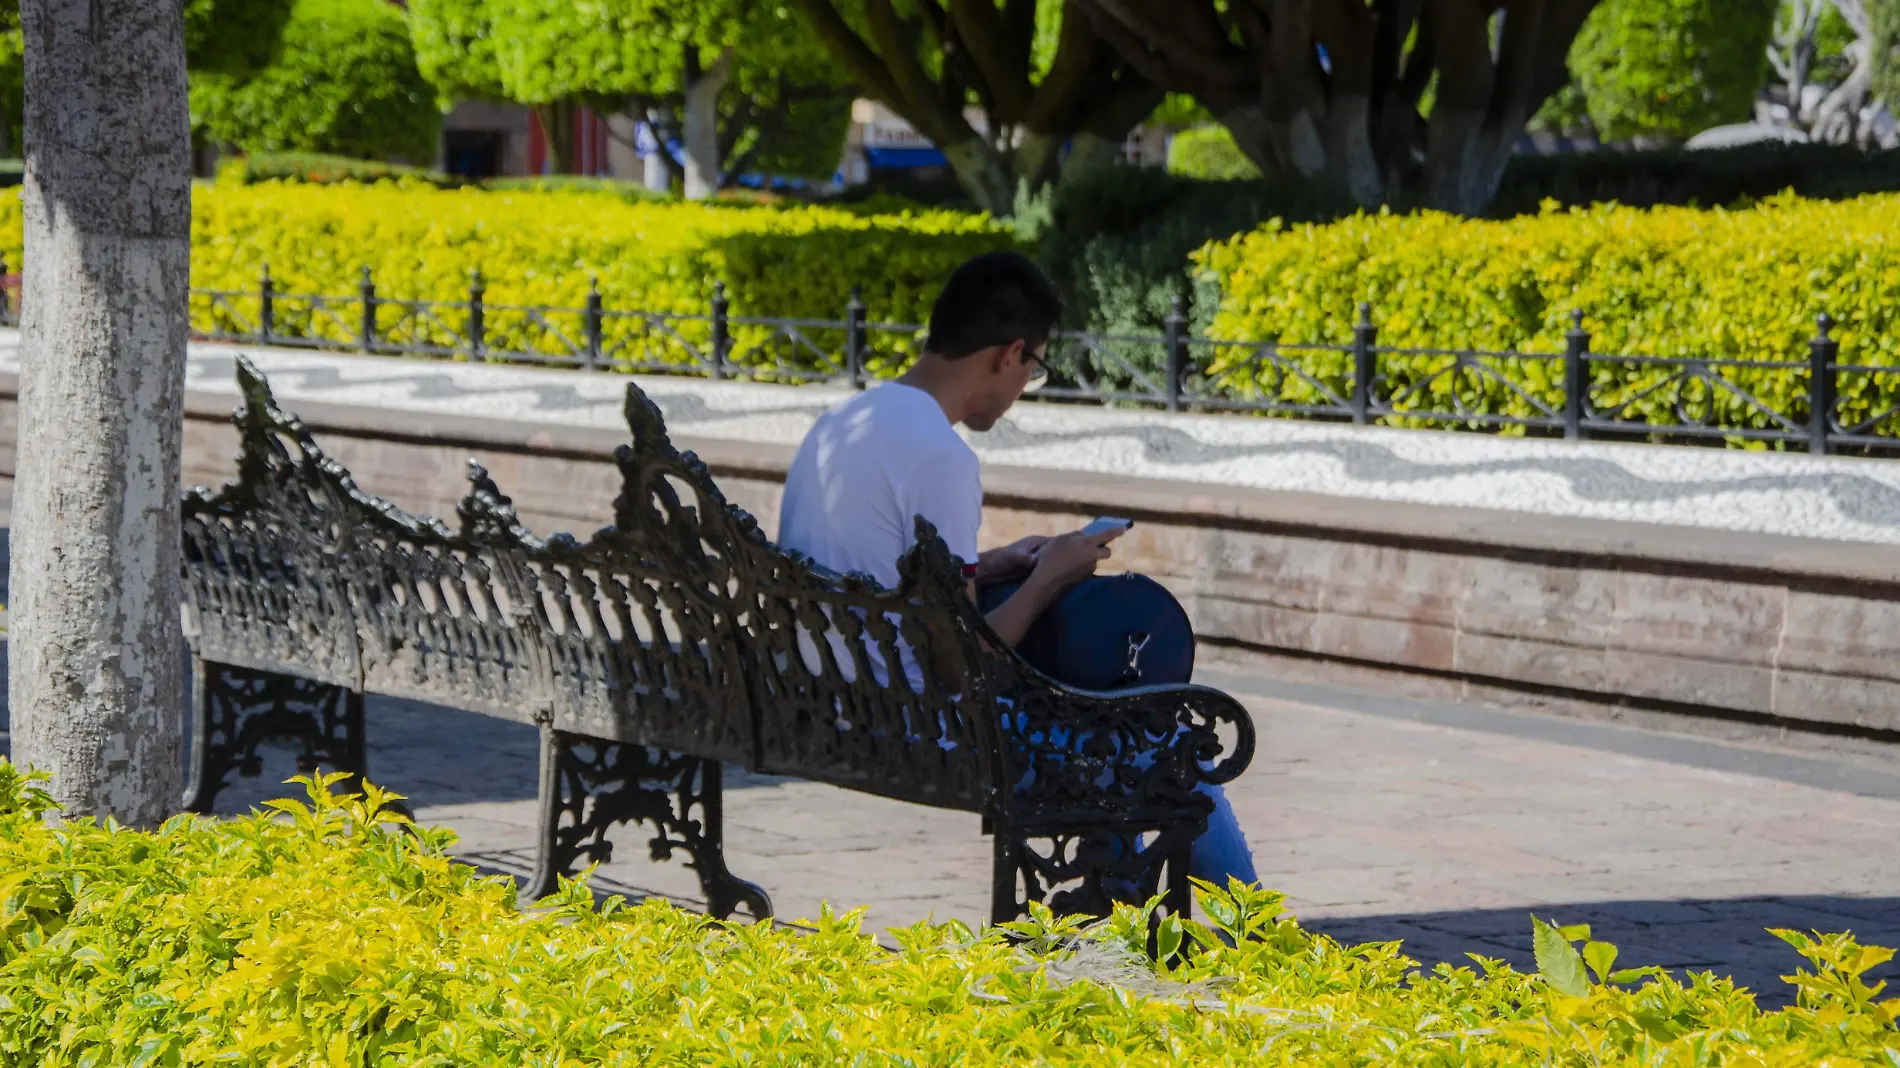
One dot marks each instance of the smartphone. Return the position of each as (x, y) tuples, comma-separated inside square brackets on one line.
[(1105, 524)]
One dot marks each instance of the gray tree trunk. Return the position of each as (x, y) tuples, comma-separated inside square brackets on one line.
[(657, 173), (984, 174), (699, 127), (94, 677)]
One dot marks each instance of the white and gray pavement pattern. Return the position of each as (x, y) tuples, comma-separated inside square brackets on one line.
[(1833, 498)]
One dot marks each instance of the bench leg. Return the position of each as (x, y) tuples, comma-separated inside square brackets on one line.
[(236, 710), (1085, 871), (589, 784)]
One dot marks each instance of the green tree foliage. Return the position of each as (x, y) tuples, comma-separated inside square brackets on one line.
[(346, 83), (786, 128), (236, 37), (12, 78), (779, 105), (1671, 68), (1883, 18), (454, 42), (1180, 110)]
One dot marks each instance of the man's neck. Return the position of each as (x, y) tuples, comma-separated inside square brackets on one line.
[(942, 382)]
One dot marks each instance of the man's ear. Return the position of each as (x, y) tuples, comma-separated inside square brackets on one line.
[(1002, 354)]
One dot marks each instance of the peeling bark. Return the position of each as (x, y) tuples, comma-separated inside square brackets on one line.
[(95, 675)]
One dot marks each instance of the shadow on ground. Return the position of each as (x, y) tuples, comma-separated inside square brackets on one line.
[(432, 756), (1729, 937)]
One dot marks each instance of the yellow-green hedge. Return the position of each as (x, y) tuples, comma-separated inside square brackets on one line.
[(326, 935), (1741, 285), (539, 248)]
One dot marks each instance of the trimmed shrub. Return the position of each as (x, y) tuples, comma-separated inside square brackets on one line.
[(327, 934), (541, 249), (1739, 285), (1209, 153), (572, 183), (315, 168)]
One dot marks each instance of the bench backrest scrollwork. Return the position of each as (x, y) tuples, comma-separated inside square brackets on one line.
[(681, 625)]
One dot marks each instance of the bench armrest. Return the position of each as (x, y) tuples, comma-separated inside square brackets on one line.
[(1122, 751)]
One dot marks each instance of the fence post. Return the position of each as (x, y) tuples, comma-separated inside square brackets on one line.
[(1576, 375), (854, 337), (366, 287), (266, 306), (593, 322), (1364, 364), (1822, 352), (477, 329), (719, 330), (1174, 336)]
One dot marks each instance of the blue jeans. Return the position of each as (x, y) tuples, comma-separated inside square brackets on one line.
[(1221, 850)]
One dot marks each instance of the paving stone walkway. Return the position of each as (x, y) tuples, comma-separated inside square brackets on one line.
[(1773, 493), (1440, 824)]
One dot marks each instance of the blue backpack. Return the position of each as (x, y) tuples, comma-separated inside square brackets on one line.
[(1109, 632)]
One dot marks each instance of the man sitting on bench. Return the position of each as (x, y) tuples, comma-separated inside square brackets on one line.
[(891, 453)]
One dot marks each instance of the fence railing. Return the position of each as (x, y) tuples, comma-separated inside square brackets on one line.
[(1811, 403)]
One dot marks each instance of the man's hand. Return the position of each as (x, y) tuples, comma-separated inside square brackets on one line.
[(1059, 564), (1067, 560), (1012, 561)]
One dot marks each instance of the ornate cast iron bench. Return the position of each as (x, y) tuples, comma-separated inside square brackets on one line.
[(671, 643)]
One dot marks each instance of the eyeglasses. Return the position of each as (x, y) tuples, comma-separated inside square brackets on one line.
[(1039, 362)]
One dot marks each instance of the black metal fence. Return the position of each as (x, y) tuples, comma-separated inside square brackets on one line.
[(1807, 401)]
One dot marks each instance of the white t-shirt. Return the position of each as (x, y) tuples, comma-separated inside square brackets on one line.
[(866, 471)]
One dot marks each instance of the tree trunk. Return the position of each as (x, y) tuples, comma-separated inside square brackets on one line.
[(700, 123), (1465, 161), (557, 131), (1297, 139), (1038, 156), (1349, 153), (983, 173), (95, 676), (657, 172)]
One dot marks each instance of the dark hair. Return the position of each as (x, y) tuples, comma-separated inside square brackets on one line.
[(993, 299)]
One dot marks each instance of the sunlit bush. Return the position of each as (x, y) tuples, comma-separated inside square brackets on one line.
[(331, 933)]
